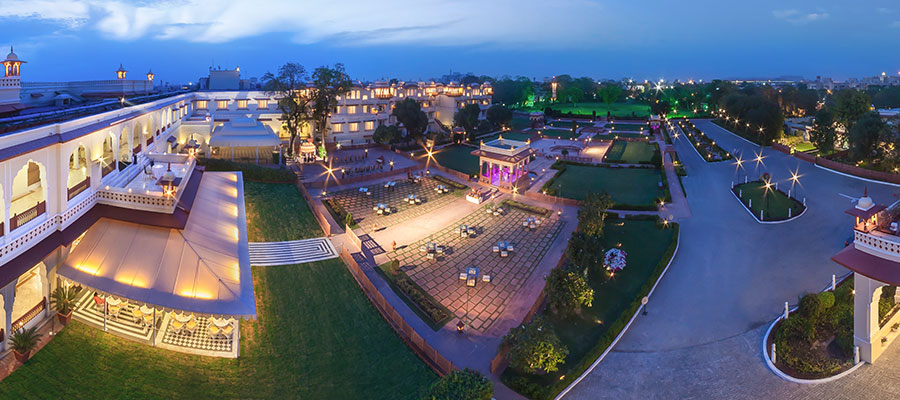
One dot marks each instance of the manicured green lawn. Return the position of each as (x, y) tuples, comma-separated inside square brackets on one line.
[(624, 127), (559, 134), (458, 158), (640, 110), (520, 123), (316, 337), (803, 147), (568, 124), (775, 203), (630, 186), (616, 298), (631, 152), (277, 212), (616, 135)]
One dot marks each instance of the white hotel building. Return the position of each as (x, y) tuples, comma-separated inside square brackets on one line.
[(115, 204)]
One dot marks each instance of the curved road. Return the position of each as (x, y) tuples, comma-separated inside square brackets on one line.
[(702, 335)]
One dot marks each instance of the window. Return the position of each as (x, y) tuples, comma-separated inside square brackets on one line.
[(370, 125), (354, 127), (351, 109), (222, 104), (337, 110), (202, 104), (242, 104), (337, 128), (262, 104), (365, 109)]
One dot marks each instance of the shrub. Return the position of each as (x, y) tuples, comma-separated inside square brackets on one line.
[(527, 208), (827, 300), (568, 290), (461, 384), (395, 267), (348, 219), (810, 306), (449, 182), (535, 347)]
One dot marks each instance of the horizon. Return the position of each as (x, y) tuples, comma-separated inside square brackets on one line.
[(599, 39)]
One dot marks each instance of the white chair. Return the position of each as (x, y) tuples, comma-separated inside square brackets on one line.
[(462, 276), (504, 253), (496, 249)]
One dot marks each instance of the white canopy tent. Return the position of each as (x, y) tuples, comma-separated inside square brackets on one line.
[(204, 268), (243, 132)]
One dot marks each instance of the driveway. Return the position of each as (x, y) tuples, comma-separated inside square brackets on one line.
[(730, 278)]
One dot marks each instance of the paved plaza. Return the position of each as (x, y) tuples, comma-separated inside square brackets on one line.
[(487, 300), (362, 205)]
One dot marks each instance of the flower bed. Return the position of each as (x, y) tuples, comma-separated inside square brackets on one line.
[(708, 149), (450, 182), (430, 310), (527, 208)]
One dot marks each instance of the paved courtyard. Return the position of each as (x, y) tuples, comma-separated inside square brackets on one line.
[(486, 301), (361, 205)]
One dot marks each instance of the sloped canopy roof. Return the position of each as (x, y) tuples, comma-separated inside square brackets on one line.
[(243, 132), (204, 268)]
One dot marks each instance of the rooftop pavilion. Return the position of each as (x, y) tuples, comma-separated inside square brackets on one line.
[(504, 162)]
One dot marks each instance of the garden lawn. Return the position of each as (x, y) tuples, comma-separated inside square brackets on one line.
[(640, 110), (616, 135), (624, 127), (631, 152), (804, 147), (568, 124), (520, 122), (512, 135), (277, 212), (777, 205), (458, 158), (626, 186), (559, 134), (614, 298)]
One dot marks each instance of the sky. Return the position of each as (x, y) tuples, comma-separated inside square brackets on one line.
[(65, 40)]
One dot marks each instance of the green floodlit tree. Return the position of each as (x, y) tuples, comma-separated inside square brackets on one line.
[(409, 113), (865, 136), (568, 290), (327, 84), (289, 85), (534, 347), (609, 93), (592, 214), (849, 106)]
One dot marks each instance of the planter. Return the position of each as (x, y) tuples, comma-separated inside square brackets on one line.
[(64, 318), (22, 357)]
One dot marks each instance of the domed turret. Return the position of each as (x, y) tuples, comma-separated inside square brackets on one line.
[(120, 73), (12, 63)]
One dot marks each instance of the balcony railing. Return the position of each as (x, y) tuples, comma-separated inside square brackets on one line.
[(79, 187), (106, 169), (27, 215), (29, 315)]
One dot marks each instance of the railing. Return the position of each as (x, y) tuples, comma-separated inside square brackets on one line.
[(429, 354), (878, 244), (106, 169), (79, 187), (27, 215), (29, 315)]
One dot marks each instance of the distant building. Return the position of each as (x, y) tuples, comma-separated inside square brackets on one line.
[(224, 79)]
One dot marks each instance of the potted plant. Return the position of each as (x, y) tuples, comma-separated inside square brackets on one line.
[(895, 326), (23, 342), (63, 300)]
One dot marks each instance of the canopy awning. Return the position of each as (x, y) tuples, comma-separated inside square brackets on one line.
[(243, 132), (244, 141), (204, 268)]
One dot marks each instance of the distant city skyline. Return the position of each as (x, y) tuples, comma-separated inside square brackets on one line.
[(83, 40)]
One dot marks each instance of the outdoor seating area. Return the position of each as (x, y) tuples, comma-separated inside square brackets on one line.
[(505, 254), (393, 201), (531, 222)]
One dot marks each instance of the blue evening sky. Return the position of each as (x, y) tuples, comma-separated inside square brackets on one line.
[(420, 39)]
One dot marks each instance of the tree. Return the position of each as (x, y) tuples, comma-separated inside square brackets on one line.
[(849, 106), (864, 137), (484, 126), (467, 118), (888, 97), (568, 290), (328, 84), (294, 101), (610, 94), (499, 115), (387, 134), (585, 251), (592, 214), (409, 113), (822, 134), (464, 384), (535, 347), (660, 107)]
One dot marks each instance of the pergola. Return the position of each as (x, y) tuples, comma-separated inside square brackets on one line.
[(503, 162)]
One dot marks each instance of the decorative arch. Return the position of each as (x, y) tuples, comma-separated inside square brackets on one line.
[(124, 145), (79, 173), (108, 154), (29, 194)]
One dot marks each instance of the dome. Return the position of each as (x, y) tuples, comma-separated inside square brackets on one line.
[(12, 55), (865, 203)]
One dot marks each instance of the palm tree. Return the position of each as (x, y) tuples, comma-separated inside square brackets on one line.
[(63, 300), (23, 342)]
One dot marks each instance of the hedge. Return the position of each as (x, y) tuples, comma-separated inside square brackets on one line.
[(250, 172), (429, 309), (527, 208), (450, 182)]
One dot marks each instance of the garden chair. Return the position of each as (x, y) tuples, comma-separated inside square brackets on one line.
[(462, 276), (228, 330), (99, 302), (191, 325), (177, 326), (213, 330), (504, 253)]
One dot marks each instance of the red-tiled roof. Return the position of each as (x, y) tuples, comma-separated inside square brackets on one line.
[(874, 267)]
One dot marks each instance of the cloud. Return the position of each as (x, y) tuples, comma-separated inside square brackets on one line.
[(345, 22), (797, 18), (884, 10), (896, 24)]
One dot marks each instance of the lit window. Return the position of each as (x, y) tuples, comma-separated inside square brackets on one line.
[(351, 109), (202, 104), (262, 104), (242, 104), (354, 127), (222, 104), (337, 128), (370, 125), (365, 109), (337, 109)]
